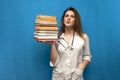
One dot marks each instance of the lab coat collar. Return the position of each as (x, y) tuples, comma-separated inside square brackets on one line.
[(62, 35)]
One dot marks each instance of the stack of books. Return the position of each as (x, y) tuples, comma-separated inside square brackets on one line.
[(45, 28)]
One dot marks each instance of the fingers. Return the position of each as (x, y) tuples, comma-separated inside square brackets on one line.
[(77, 74), (47, 41)]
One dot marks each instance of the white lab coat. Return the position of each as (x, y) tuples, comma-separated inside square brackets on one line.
[(68, 59)]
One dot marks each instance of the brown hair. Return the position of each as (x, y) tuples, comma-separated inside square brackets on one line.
[(77, 26)]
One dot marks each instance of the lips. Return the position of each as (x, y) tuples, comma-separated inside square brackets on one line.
[(68, 22)]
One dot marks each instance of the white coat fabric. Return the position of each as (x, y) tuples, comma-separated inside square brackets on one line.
[(69, 56)]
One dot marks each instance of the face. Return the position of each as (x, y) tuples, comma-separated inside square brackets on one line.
[(69, 19)]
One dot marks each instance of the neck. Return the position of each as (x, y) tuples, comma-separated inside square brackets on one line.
[(69, 31)]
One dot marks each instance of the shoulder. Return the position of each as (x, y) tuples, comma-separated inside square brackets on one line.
[(85, 36), (62, 35)]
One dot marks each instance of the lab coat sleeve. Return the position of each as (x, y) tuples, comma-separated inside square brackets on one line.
[(86, 49)]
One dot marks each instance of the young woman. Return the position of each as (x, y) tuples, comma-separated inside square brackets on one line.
[(70, 54)]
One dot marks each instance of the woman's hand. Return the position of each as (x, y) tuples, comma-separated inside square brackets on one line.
[(77, 74), (48, 42)]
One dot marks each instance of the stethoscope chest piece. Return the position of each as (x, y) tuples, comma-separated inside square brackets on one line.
[(71, 48)]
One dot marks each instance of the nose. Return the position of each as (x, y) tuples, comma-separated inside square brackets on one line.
[(69, 18)]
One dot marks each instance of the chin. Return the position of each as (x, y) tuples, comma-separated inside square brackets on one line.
[(69, 26)]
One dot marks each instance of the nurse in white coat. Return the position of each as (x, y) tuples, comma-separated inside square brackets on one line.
[(71, 53)]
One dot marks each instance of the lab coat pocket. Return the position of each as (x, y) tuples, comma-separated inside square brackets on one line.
[(77, 74)]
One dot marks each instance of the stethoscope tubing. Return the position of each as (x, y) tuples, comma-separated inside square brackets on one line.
[(67, 43)]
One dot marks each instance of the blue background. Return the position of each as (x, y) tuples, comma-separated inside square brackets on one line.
[(22, 58)]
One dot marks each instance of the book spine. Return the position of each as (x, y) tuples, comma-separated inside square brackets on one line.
[(45, 28), (46, 24), (43, 34), (46, 17), (46, 32), (45, 37)]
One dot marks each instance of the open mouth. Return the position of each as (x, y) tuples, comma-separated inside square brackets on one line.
[(68, 22)]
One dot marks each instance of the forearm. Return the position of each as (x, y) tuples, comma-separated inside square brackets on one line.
[(83, 64), (53, 54)]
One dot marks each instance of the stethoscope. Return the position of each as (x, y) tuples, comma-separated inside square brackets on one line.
[(69, 46)]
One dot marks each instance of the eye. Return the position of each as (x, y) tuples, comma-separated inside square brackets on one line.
[(66, 15), (72, 16)]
